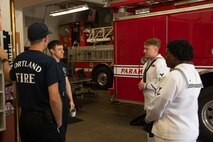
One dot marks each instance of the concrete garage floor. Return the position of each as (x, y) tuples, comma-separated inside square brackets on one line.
[(105, 122)]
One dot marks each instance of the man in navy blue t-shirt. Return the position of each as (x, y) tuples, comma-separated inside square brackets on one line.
[(57, 51), (36, 75)]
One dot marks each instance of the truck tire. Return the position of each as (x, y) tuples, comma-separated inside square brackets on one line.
[(103, 76), (205, 113)]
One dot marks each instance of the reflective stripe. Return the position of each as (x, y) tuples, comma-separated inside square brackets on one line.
[(195, 85), (200, 85)]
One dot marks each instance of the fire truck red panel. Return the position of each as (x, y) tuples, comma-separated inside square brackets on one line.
[(129, 40), (185, 26), (125, 93), (131, 34)]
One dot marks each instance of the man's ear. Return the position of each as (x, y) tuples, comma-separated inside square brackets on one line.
[(156, 49), (51, 51), (173, 57), (46, 38)]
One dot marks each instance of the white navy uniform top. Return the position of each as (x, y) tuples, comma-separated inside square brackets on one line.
[(153, 75), (175, 107)]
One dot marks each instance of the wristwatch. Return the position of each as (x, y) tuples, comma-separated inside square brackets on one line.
[(4, 60)]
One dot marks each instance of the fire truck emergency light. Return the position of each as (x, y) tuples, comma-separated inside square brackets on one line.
[(69, 10)]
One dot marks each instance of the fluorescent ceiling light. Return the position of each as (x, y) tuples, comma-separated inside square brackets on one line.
[(69, 10)]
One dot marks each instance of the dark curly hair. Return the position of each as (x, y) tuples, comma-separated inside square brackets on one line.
[(181, 50)]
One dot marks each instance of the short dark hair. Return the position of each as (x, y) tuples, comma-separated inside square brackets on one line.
[(153, 41), (181, 50), (53, 43)]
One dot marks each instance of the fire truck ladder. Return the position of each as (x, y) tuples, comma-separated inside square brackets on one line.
[(100, 34)]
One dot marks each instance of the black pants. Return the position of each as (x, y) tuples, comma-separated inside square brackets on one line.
[(36, 127), (66, 106)]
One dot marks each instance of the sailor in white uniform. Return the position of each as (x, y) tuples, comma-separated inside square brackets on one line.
[(154, 69), (175, 107)]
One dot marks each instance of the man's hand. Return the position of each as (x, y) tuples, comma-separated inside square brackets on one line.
[(141, 85), (3, 54), (148, 127), (72, 105)]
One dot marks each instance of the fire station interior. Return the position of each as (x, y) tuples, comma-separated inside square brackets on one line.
[(88, 38)]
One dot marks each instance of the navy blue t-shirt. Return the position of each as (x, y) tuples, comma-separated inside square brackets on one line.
[(63, 74), (33, 72)]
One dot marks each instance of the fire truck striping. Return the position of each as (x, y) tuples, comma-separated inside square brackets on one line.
[(133, 71), (136, 66), (193, 8), (85, 69), (127, 76), (204, 67)]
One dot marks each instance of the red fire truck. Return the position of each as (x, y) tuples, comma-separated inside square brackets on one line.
[(91, 57), (137, 20)]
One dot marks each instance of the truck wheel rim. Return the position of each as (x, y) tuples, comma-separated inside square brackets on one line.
[(207, 115), (102, 79)]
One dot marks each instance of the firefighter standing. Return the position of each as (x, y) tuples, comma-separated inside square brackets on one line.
[(57, 51), (36, 76)]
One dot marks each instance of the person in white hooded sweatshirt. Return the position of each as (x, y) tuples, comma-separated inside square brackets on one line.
[(174, 109)]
